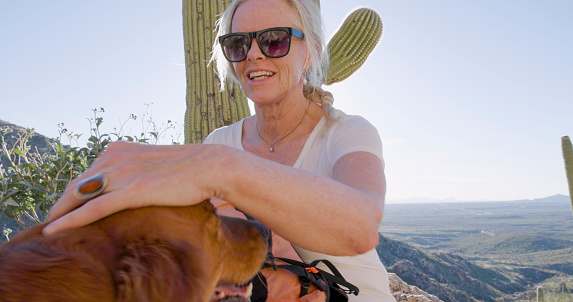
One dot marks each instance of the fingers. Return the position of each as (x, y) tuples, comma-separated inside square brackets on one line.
[(89, 212), (68, 201), (117, 154), (90, 187), (77, 193)]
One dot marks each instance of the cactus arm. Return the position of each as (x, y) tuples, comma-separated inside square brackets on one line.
[(352, 43), (568, 157)]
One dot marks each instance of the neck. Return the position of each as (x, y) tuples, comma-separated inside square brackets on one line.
[(281, 133), (275, 121)]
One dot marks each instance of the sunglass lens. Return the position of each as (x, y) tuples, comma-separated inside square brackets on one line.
[(235, 47), (274, 43)]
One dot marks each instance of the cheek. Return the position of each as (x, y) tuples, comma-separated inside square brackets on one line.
[(285, 77), (290, 74)]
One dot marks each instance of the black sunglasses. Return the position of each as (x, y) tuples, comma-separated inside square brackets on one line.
[(273, 42)]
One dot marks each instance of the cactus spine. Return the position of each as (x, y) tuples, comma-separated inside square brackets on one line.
[(352, 44), (568, 157), (208, 108)]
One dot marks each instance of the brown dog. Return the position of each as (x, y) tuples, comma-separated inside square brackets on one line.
[(148, 254)]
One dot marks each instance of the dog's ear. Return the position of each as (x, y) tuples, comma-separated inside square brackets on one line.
[(155, 269), (36, 268)]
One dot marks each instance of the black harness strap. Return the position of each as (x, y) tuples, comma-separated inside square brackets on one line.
[(308, 273)]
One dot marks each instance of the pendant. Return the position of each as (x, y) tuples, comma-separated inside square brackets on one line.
[(271, 149)]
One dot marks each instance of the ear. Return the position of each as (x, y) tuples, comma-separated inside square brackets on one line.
[(158, 270)]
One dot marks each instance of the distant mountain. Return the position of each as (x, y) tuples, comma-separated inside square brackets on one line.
[(421, 200), (37, 141), (558, 197)]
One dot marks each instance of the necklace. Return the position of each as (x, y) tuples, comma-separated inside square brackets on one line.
[(272, 146)]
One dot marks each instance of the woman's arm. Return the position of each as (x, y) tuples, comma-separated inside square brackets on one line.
[(337, 217)]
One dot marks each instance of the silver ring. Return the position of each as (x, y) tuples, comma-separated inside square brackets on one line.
[(90, 187)]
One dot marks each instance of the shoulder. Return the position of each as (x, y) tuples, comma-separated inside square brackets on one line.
[(353, 133), (225, 134), (345, 125)]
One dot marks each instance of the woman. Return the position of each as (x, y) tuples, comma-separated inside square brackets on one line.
[(310, 173)]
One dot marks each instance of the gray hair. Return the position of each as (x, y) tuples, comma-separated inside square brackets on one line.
[(309, 21)]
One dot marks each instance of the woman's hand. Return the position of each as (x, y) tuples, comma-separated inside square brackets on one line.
[(140, 175)]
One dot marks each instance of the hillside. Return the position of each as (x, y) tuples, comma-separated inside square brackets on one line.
[(454, 278), (38, 141), (450, 277)]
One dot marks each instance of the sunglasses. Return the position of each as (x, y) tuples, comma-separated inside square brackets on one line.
[(273, 42)]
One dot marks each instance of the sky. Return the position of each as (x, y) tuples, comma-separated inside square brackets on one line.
[(471, 98)]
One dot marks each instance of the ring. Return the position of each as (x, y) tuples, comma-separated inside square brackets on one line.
[(90, 187)]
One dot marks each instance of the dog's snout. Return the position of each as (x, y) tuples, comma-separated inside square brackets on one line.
[(262, 228), (266, 232)]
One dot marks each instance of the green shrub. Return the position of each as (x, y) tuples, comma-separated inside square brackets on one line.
[(34, 180)]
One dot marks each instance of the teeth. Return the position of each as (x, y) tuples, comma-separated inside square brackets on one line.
[(221, 295), (259, 75), (249, 291)]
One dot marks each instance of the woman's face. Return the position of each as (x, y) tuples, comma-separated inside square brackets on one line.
[(265, 80)]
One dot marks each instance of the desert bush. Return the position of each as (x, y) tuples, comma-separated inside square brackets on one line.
[(34, 180)]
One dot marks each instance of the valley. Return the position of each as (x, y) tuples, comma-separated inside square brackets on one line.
[(482, 251)]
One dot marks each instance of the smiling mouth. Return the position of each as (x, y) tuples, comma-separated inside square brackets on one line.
[(260, 75)]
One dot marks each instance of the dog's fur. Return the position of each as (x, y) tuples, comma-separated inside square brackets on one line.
[(147, 254)]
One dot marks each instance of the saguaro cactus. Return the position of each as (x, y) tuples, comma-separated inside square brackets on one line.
[(540, 297), (568, 157), (208, 108)]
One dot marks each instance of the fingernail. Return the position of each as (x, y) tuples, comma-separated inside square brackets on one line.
[(47, 230)]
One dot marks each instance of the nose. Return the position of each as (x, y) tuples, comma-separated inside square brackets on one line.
[(266, 232), (255, 52)]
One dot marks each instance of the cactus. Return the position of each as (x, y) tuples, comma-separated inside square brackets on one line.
[(540, 297), (208, 108), (352, 44), (568, 157)]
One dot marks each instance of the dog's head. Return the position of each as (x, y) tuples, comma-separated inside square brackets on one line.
[(148, 254)]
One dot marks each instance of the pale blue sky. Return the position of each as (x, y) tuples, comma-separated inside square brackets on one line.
[(471, 98)]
